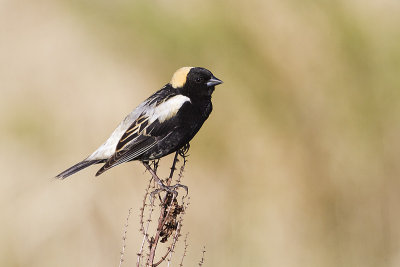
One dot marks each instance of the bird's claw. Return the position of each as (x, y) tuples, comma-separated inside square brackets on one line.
[(169, 189)]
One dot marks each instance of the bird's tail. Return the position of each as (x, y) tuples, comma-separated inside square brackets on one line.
[(77, 167)]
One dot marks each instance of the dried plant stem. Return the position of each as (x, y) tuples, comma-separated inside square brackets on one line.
[(182, 169), (173, 168), (184, 249), (145, 232), (142, 209), (162, 258), (124, 238), (170, 220), (202, 257), (176, 236), (165, 210)]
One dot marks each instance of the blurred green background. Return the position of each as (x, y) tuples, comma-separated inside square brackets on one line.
[(298, 165)]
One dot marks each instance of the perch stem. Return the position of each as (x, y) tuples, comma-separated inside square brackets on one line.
[(165, 209)]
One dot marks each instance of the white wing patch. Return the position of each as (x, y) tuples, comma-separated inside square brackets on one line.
[(161, 112), (168, 109)]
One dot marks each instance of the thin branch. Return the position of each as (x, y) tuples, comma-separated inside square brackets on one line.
[(162, 258), (182, 169), (165, 211), (124, 238), (142, 209), (170, 219), (176, 236), (146, 229), (185, 249), (173, 168), (202, 257)]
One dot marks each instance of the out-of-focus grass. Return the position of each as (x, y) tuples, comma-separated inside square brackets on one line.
[(299, 160)]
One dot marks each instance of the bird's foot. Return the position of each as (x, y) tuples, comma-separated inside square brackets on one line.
[(183, 151), (169, 189)]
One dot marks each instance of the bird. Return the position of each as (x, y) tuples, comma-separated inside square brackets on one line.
[(162, 124)]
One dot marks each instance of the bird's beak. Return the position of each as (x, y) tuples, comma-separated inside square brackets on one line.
[(213, 81)]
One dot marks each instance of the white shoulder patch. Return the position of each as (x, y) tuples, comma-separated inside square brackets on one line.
[(168, 109), (161, 112), (179, 78)]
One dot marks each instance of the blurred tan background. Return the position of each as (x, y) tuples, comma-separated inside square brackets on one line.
[(298, 165)]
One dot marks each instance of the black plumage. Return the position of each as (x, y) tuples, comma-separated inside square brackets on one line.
[(161, 125)]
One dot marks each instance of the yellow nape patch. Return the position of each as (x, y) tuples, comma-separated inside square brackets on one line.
[(179, 77)]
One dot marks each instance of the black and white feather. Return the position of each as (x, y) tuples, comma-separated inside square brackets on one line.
[(162, 124)]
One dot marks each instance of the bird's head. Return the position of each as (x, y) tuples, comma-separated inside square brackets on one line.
[(194, 81)]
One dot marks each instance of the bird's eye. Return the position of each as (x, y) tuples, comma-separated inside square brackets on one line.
[(199, 80)]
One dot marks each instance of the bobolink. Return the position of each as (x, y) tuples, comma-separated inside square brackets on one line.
[(162, 124)]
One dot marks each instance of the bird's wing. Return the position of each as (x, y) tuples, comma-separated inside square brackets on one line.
[(108, 148), (141, 145), (146, 131)]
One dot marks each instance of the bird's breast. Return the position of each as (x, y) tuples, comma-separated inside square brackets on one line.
[(192, 115)]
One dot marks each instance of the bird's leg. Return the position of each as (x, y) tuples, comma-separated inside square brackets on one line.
[(163, 187), (153, 174), (168, 188)]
